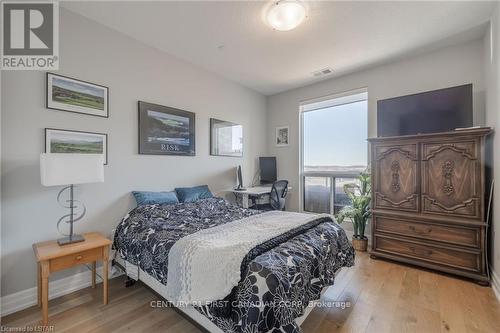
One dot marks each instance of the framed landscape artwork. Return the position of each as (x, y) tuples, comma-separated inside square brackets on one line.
[(76, 142), (166, 131), (282, 136), (67, 94), (226, 138)]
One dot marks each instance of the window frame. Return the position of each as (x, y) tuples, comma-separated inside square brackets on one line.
[(351, 96)]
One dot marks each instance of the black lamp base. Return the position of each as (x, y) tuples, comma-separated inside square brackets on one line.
[(70, 240)]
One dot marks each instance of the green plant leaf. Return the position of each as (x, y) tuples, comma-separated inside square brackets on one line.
[(359, 211)]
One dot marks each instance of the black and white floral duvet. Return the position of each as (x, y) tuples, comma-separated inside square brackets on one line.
[(276, 286)]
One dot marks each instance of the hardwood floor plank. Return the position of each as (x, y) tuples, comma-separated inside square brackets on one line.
[(91, 321), (427, 320), (382, 315), (452, 315), (428, 298), (490, 306), (350, 294), (358, 319), (169, 319), (471, 306), (384, 297), (145, 319)]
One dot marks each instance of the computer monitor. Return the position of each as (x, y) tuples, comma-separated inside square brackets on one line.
[(267, 170)]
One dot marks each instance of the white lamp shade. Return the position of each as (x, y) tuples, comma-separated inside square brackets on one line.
[(66, 169)]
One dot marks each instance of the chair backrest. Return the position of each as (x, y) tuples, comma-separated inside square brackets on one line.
[(278, 194)]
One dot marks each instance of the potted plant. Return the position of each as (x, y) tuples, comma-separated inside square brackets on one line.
[(358, 212)]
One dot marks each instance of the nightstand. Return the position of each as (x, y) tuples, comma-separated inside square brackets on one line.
[(52, 257)]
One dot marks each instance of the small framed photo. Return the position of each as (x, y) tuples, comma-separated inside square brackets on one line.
[(76, 142), (72, 95), (282, 136), (166, 131)]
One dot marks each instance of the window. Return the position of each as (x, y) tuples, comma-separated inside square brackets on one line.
[(317, 194), (334, 149)]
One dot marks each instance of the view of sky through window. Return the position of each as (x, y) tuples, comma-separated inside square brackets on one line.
[(335, 137)]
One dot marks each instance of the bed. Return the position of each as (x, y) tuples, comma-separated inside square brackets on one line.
[(232, 269)]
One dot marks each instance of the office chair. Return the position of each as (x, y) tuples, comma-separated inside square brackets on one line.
[(276, 197)]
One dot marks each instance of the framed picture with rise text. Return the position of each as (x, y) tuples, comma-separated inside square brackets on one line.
[(166, 131)]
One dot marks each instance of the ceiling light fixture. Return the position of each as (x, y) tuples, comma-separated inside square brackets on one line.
[(286, 15)]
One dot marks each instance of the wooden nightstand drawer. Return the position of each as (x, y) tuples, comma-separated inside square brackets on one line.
[(74, 259)]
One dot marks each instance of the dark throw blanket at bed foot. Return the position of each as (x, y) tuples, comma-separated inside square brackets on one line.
[(277, 284), (280, 283)]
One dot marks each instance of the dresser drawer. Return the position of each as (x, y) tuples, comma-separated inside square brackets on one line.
[(71, 260), (457, 235), (466, 260)]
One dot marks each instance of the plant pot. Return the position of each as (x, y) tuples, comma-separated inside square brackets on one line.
[(360, 244)]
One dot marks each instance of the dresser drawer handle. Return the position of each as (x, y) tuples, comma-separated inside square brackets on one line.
[(422, 252), (80, 257), (421, 232)]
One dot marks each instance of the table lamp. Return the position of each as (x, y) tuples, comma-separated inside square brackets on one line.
[(69, 170)]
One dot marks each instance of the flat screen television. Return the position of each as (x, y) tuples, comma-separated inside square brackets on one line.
[(428, 112), (267, 166)]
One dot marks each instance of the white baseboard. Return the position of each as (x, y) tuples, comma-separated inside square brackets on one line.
[(495, 284), (28, 297)]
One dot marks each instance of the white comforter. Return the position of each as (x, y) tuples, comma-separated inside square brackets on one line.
[(205, 266)]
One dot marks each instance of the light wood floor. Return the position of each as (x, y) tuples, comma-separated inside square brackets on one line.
[(384, 297)]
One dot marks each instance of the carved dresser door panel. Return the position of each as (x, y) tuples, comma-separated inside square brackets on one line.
[(451, 178), (396, 179)]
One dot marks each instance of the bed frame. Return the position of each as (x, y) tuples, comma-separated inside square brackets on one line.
[(189, 312)]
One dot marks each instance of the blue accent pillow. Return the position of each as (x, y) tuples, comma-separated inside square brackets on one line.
[(193, 194), (152, 198)]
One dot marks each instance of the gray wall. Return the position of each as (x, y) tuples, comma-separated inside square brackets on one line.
[(492, 70), (446, 67), (133, 72)]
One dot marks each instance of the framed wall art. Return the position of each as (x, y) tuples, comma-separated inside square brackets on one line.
[(166, 131), (76, 142), (282, 136), (72, 95), (226, 138)]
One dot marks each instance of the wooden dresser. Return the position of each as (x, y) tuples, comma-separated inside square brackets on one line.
[(429, 201)]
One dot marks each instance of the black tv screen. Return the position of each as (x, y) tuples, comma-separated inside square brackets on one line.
[(267, 169), (429, 112)]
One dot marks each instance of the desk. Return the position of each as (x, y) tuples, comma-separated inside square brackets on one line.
[(254, 191)]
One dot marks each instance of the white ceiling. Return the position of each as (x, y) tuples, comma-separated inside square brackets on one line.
[(344, 36)]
